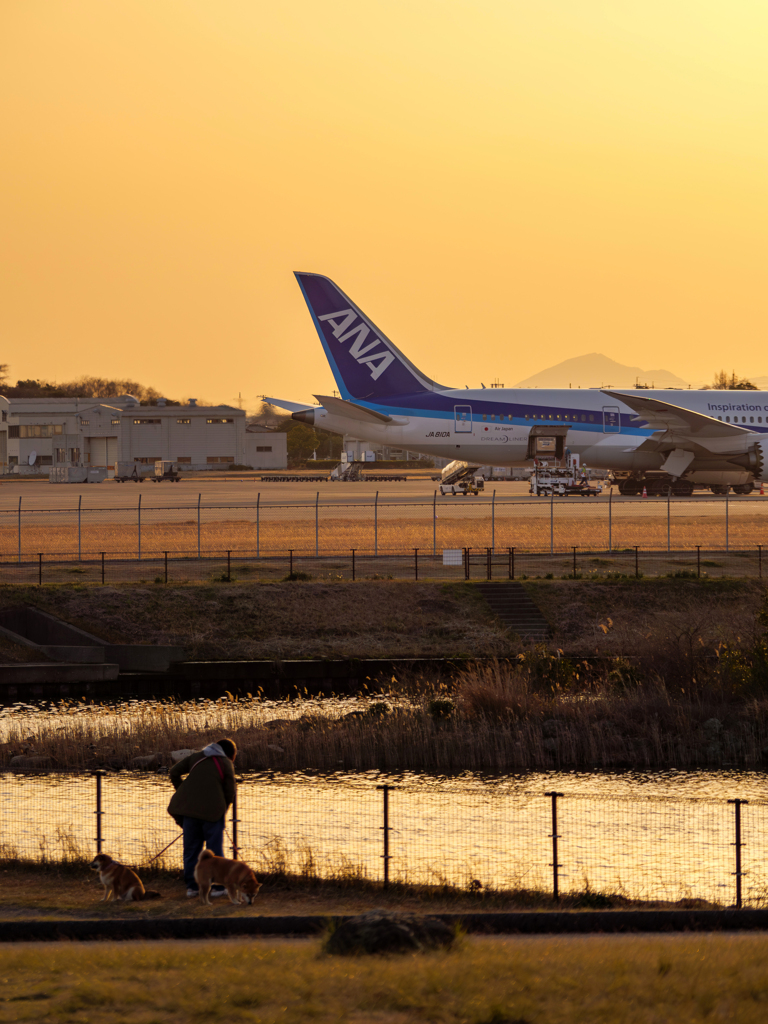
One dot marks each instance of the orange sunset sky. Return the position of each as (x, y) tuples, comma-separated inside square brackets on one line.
[(500, 184)]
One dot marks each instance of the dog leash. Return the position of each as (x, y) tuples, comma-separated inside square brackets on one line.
[(178, 837)]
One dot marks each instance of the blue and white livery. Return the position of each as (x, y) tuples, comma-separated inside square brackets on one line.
[(663, 439)]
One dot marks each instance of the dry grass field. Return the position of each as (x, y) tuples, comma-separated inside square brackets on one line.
[(617, 979), (525, 527)]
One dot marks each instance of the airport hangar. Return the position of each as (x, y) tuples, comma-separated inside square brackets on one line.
[(100, 432)]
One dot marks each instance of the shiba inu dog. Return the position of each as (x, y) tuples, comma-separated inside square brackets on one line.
[(237, 878), (120, 881)]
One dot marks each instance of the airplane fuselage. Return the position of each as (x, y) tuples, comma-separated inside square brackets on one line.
[(496, 426)]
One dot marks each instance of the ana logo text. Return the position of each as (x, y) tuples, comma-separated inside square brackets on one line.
[(361, 349)]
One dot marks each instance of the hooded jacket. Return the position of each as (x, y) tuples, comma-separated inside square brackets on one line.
[(203, 793)]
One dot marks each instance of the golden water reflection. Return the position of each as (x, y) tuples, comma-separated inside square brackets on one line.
[(665, 835)]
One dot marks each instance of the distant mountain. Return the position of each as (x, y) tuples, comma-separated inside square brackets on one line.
[(598, 371)]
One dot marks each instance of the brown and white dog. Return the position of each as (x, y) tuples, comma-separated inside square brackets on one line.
[(120, 881), (237, 878)]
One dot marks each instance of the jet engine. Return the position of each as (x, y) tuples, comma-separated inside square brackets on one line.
[(756, 460)]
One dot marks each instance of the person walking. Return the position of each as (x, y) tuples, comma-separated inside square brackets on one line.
[(201, 802)]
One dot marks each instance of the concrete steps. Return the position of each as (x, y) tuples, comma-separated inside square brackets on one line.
[(512, 605)]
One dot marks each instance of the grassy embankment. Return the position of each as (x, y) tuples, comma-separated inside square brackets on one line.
[(47, 890), (528, 980), (638, 674)]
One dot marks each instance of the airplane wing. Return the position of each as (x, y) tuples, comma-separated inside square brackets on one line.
[(341, 407), (282, 403), (674, 419)]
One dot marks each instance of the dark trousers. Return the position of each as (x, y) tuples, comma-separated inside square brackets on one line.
[(197, 833)]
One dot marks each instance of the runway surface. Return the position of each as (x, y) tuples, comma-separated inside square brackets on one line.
[(237, 492)]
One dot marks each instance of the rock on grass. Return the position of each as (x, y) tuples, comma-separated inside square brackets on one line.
[(382, 932)]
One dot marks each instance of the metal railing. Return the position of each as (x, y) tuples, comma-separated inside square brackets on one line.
[(482, 837), (468, 564)]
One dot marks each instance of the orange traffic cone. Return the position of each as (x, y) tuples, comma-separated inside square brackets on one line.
[(645, 492)]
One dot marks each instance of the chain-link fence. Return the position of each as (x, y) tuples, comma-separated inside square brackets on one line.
[(379, 527), (494, 837)]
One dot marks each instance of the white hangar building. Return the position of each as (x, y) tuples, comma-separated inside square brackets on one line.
[(101, 432)]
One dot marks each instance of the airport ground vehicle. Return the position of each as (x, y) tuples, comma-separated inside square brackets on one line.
[(550, 479), (459, 478), (165, 471)]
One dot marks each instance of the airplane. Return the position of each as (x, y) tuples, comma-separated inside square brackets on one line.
[(667, 441)]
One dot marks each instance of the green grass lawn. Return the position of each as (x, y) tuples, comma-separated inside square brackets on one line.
[(627, 979)]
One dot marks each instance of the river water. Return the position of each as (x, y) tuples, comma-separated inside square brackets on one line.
[(662, 835)]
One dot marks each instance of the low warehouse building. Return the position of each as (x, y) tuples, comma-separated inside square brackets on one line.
[(100, 432)]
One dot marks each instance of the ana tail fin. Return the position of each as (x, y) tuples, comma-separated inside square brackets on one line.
[(365, 363)]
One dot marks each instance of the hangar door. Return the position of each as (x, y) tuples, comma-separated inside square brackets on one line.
[(103, 451)]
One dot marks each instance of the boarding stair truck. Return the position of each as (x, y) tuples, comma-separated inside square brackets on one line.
[(461, 478), (347, 471), (165, 470)]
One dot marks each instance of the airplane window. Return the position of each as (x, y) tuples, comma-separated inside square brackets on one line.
[(759, 419), (727, 419), (484, 416), (751, 419), (526, 415), (720, 417), (591, 419), (583, 418)]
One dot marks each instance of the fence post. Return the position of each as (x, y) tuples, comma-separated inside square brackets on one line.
[(610, 519), (166, 566), (727, 524), (19, 529), (290, 563), (353, 565), (40, 569), (511, 565), (99, 773), (416, 563), (760, 561), (637, 567), (258, 524), (139, 527), (552, 522), (738, 844), (102, 566), (488, 567), (493, 520), (376, 526), (79, 533), (698, 561), (199, 496), (317, 524), (466, 563), (669, 500), (434, 523), (385, 829), (229, 566), (234, 824), (555, 879), (574, 563)]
